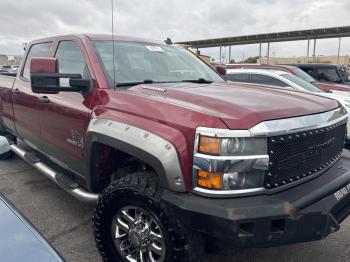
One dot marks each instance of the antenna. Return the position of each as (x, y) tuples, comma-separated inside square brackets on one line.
[(113, 47)]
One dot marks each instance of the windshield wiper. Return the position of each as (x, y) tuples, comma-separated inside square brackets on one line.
[(146, 81), (198, 81)]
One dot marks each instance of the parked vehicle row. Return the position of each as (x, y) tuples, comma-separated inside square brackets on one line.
[(9, 70), (175, 156), (326, 72), (326, 86), (282, 79)]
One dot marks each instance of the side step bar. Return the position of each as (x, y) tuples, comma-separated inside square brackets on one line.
[(64, 182)]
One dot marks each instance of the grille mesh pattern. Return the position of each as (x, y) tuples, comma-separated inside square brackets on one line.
[(298, 155)]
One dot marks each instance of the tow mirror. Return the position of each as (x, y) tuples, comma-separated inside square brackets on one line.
[(221, 70), (45, 79)]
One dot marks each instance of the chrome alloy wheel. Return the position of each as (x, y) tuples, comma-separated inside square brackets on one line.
[(137, 235)]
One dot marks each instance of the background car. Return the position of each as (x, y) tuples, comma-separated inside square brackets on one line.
[(19, 240), (326, 72), (283, 79), (326, 86)]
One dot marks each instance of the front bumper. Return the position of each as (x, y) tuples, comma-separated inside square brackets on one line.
[(307, 212)]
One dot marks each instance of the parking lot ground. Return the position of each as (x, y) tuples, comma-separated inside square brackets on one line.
[(66, 223)]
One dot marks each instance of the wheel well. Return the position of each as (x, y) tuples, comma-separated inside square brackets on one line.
[(109, 163)]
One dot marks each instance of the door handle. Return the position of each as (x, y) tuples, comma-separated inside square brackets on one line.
[(44, 99), (16, 91)]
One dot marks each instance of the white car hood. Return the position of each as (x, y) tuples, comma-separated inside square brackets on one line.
[(344, 99)]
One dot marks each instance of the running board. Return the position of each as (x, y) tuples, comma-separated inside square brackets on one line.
[(62, 181)]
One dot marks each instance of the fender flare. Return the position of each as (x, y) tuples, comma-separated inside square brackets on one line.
[(154, 150)]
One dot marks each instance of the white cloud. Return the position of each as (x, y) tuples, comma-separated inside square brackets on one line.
[(24, 20)]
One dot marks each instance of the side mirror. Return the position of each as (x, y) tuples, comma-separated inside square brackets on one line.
[(221, 70), (45, 79)]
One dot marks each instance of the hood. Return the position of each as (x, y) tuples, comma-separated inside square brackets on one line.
[(238, 105), (332, 86)]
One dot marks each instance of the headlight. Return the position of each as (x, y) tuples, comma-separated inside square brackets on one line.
[(236, 146), (229, 164)]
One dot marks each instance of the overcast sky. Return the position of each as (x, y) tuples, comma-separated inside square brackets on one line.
[(25, 20)]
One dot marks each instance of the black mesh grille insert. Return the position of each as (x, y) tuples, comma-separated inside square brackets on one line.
[(298, 155)]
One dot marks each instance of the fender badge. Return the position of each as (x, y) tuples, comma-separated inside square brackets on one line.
[(76, 139)]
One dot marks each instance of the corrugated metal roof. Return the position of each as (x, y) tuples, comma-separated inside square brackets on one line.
[(332, 32)]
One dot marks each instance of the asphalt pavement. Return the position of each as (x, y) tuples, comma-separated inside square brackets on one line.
[(66, 223)]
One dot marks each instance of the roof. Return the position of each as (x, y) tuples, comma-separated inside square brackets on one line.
[(104, 37), (313, 65), (101, 37), (332, 32), (284, 67), (254, 70)]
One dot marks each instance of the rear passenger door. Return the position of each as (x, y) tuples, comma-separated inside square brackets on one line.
[(26, 105)]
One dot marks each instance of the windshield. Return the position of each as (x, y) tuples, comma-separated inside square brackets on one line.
[(300, 82), (150, 63), (305, 76)]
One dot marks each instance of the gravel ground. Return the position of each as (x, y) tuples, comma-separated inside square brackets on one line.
[(66, 223)]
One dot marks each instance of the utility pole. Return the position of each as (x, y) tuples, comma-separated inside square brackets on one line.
[(229, 54), (259, 53), (308, 51), (314, 53), (338, 50)]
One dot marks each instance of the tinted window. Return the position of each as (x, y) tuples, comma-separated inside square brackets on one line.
[(38, 50), (71, 61), (328, 74), (238, 77), (303, 75), (309, 71), (267, 80)]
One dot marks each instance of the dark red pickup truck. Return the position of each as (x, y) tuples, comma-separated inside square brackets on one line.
[(173, 154)]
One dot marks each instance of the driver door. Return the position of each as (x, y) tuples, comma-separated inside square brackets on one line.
[(66, 116)]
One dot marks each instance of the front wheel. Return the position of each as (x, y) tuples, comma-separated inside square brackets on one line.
[(130, 225)]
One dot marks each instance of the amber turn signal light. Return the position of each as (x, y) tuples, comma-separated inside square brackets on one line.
[(209, 145), (209, 180)]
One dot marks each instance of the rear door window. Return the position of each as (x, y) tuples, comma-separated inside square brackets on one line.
[(328, 74), (37, 50), (238, 77), (267, 80)]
